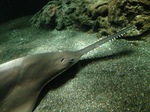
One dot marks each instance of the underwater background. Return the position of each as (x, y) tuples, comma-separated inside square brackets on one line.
[(112, 78)]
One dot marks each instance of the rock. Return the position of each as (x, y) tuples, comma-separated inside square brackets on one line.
[(104, 17), (121, 13)]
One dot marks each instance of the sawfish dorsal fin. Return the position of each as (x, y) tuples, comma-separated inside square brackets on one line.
[(106, 39)]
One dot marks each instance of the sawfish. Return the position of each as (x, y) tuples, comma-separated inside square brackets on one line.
[(22, 79)]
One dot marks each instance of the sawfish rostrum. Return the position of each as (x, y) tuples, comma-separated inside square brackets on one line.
[(22, 79)]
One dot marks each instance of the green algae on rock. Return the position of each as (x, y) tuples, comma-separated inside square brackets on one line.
[(101, 16)]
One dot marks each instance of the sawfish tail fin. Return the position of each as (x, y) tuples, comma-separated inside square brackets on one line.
[(108, 38)]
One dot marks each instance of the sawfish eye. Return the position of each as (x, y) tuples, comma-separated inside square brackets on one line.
[(71, 60), (63, 60)]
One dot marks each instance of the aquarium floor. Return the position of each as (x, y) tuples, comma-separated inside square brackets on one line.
[(117, 79)]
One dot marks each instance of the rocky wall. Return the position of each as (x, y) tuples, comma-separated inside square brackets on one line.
[(105, 17)]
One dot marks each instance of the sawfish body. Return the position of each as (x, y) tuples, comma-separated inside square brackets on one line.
[(22, 79)]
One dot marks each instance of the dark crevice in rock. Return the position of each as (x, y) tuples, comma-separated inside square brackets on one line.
[(139, 25), (134, 3), (130, 16)]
